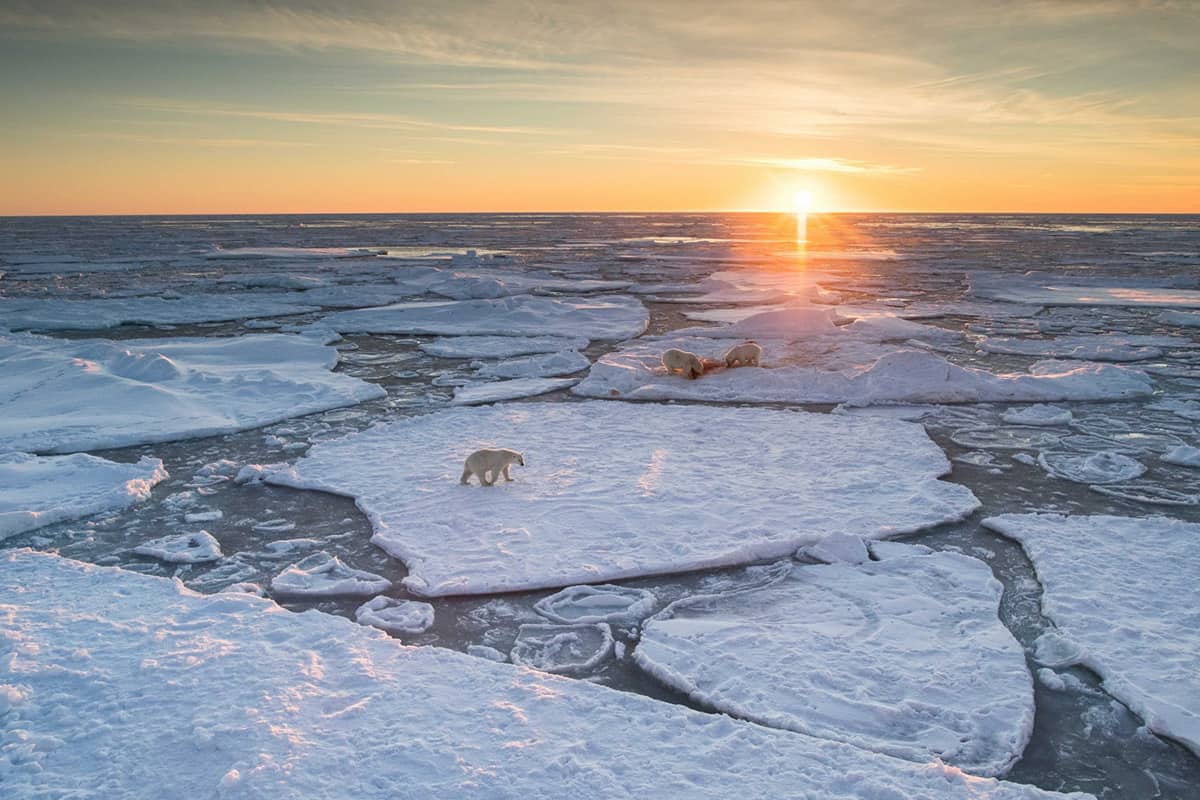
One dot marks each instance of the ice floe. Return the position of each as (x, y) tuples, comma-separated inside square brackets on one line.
[(36, 491), (612, 491), (500, 346), (396, 616), (838, 548), (61, 395), (182, 548), (474, 394), (608, 317), (298, 691), (562, 649), (1050, 289), (1124, 596), (1101, 467), (1098, 347), (904, 656), (52, 313), (1184, 455), (547, 365), (322, 575), (1040, 414), (603, 603), (1182, 319)]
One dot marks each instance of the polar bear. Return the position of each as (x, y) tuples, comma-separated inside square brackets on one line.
[(687, 364), (743, 355), (481, 462)]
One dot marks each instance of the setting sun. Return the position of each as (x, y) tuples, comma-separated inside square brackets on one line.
[(802, 202)]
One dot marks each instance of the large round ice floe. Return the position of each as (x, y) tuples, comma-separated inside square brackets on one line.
[(41, 490), (1102, 467), (612, 491), (604, 603), (546, 365), (904, 656), (1124, 594), (395, 616), (183, 548), (1039, 414), (322, 574), (564, 649)]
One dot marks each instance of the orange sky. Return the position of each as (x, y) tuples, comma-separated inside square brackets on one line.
[(233, 107)]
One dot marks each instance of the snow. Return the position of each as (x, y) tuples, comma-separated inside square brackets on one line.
[(562, 649), (905, 656), (1039, 414), (36, 491), (500, 346), (52, 313), (474, 394), (613, 491), (183, 548), (1049, 289), (171, 692), (324, 575), (603, 603), (1123, 594), (547, 365), (396, 616), (1106, 466), (609, 317), (1184, 455), (65, 395), (1083, 347)]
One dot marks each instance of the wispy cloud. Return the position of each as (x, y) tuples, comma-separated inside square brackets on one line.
[(829, 165)]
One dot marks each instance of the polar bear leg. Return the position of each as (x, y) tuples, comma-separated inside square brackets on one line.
[(483, 480), (507, 477), (465, 480)]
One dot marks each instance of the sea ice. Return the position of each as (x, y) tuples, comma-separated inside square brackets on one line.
[(1039, 414), (1050, 289), (1124, 596), (60, 395), (54, 313), (500, 346), (548, 365), (838, 547), (904, 656), (1182, 319), (1105, 466), (1184, 455), (322, 575), (603, 603), (396, 616), (99, 703), (653, 489), (182, 548), (474, 394), (36, 491), (1099, 347), (562, 649), (608, 317)]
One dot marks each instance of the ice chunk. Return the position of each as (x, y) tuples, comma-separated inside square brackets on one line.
[(904, 656), (297, 691), (886, 549), (483, 651), (60, 395), (669, 492), (609, 317), (1015, 438), (322, 574), (563, 649), (1124, 596), (536, 366), (1106, 466), (1100, 347), (1039, 414), (1185, 456), (500, 346), (1182, 319), (41, 490), (838, 547), (254, 473), (204, 516), (1187, 409), (245, 588), (183, 548), (473, 394), (603, 603), (396, 616)]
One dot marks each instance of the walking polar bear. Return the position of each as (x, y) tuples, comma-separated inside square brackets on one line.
[(743, 355), (497, 462), (687, 364)]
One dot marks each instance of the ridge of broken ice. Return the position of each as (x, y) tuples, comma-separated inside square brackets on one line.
[(1123, 594), (661, 489), (297, 692)]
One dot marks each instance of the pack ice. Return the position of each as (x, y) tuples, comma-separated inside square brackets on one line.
[(41, 490), (612, 491), (609, 317), (904, 656), (1052, 289), (313, 705), (1124, 595), (60, 395), (52, 313)]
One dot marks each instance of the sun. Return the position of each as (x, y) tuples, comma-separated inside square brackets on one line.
[(802, 201)]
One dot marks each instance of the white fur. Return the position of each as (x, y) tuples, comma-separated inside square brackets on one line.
[(687, 364), (481, 462), (743, 355)]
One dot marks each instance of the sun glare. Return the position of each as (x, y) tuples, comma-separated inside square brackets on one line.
[(802, 201)]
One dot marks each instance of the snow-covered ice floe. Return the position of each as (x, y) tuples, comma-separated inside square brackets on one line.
[(547, 365), (299, 692), (604, 603), (500, 346), (1039, 414), (562, 649), (61, 395), (905, 656), (1124, 595), (395, 616), (475, 394), (182, 548), (608, 317), (36, 491), (1183, 456), (324, 575), (612, 491), (1050, 289), (1084, 347)]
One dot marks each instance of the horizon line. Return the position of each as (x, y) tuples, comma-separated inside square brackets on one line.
[(680, 212)]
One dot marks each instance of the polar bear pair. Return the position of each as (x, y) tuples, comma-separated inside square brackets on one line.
[(497, 462), (690, 365)]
